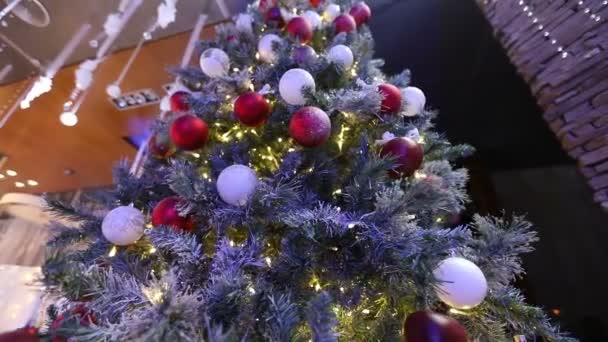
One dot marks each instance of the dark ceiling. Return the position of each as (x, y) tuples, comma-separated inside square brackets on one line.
[(66, 16)]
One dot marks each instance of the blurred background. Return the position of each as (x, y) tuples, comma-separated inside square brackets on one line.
[(452, 51)]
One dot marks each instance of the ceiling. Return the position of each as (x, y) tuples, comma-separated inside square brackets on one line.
[(66, 16), (35, 143)]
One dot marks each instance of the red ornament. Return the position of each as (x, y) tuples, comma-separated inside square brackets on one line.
[(26, 334), (391, 103), (189, 132), (160, 146), (274, 17), (361, 13), (86, 317), (300, 29), (344, 23), (179, 101), (407, 153), (315, 3), (166, 213), (251, 109), (427, 326), (310, 126)]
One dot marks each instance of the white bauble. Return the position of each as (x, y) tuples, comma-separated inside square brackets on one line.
[(341, 55), (331, 12), (243, 23), (292, 84), (462, 285), (214, 62), (123, 225), (267, 54), (414, 100), (236, 184), (165, 104), (113, 90), (313, 18)]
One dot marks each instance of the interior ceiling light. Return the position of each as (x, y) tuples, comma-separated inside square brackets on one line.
[(19, 184), (2, 176), (11, 173), (32, 12), (31, 182)]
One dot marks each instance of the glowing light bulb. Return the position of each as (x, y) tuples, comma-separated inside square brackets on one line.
[(11, 173), (31, 182), (68, 119), (19, 184)]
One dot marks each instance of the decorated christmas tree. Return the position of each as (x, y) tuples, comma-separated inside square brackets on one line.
[(292, 192)]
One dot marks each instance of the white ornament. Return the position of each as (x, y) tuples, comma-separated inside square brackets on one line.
[(414, 101), (287, 15), (214, 62), (165, 104), (123, 225), (386, 137), (236, 184), (243, 23), (267, 53), (341, 55), (462, 285), (313, 18), (113, 90), (331, 12), (166, 13), (292, 85), (413, 134)]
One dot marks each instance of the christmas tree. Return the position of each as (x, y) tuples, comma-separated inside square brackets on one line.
[(292, 192)]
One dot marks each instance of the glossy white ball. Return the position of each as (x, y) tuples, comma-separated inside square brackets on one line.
[(462, 285), (292, 86), (414, 100), (123, 225), (214, 62), (313, 18), (243, 23), (341, 55), (265, 47), (331, 12), (236, 184)]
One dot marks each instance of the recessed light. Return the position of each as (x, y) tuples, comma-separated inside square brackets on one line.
[(31, 182), (11, 173), (68, 119), (19, 184), (2, 176)]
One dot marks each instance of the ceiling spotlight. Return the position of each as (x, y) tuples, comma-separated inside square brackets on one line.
[(19, 184), (11, 173), (2, 176), (68, 119), (31, 182)]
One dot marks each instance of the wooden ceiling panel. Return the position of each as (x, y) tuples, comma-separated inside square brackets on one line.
[(39, 147)]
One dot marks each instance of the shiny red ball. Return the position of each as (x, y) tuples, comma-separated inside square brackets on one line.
[(179, 101), (310, 126), (428, 326), (251, 109), (407, 154), (274, 17), (166, 213), (188, 132), (315, 3), (300, 29), (344, 23), (26, 334), (361, 13), (160, 146), (391, 103)]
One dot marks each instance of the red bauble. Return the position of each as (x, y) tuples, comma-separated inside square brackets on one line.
[(310, 126), (179, 101), (391, 103), (315, 3), (27, 334), (428, 326), (86, 317), (166, 213), (300, 29), (160, 146), (344, 23), (189, 132), (407, 154), (361, 13), (274, 17), (251, 109)]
